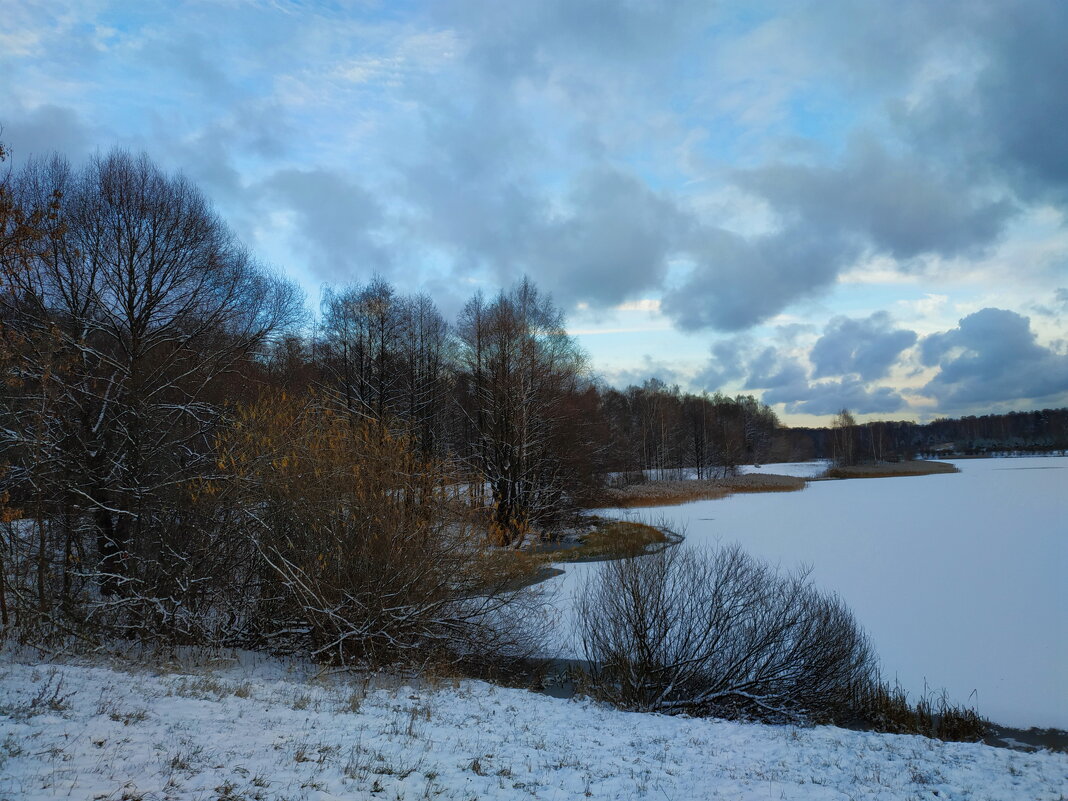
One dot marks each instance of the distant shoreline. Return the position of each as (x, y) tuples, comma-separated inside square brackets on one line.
[(672, 492)]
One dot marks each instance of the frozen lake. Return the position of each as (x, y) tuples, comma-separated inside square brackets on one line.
[(958, 578)]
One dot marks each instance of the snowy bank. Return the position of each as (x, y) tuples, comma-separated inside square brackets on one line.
[(264, 729)]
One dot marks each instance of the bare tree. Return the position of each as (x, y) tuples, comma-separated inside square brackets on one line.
[(362, 328), (517, 366), (844, 438), (718, 631), (138, 303), (386, 357), (427, 353)]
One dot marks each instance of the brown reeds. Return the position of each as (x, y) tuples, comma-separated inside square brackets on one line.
[(890, 469), (670, 493)]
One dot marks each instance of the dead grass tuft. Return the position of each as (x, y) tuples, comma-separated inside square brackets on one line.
[(613, 540), (670, 493), (891, 469), (888, 709)]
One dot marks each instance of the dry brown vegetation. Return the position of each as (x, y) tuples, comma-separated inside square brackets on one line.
[(615, 539), (612, 540), (888, 709), (891, 469), (668, 493)]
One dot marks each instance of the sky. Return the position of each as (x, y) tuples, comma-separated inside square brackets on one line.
[(825, 204)]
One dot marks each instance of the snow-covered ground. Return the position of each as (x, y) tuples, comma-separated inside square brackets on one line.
[(262, 729), (959, 578), (811, 469)]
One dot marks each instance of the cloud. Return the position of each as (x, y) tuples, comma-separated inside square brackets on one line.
[(859, 351), (614, 242), (732, 163), (867, 347), (737, 282), (1007, 117), (727, 362), (904, 206), (648, 369), (45, 130), (992, 356), (336, 216), (532, 39), (829, 397), (770, 370)]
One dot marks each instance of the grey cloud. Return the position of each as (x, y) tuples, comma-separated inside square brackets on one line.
[(770, 371), (649, 368), (727, 363), (615, 242), (1022, 93), (477, 196), (512, 39), (608, 238), (992, 356), (903, 206), (830, 216), (188, 55), (828, 397), (45, 130), (867, 347), (784, 379), (997, 112), (1009, 120), (338, 217), (738, 282)]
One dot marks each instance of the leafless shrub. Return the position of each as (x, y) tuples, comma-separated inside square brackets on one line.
[(365, 554), (720, 632)]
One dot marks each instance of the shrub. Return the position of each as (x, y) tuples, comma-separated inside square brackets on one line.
[(719, 632), (366, 551)]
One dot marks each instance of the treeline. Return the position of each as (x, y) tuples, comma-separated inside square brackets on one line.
[(1040, 431)]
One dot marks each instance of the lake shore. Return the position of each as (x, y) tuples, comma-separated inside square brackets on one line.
[(957, 578)]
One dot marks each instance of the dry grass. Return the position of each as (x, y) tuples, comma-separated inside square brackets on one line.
[(670, 493), (891, 469), (888, 709), (610, 540)]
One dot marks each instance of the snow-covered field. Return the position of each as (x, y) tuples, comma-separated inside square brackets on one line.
[(262, 729), (958, 578), (811, 469)]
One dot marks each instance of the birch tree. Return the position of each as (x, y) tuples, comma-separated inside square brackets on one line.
[(517, 365)]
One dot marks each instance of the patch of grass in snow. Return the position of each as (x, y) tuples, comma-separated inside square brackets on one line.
[(890, 469), (888, 709), (49, 697), (672, 493)]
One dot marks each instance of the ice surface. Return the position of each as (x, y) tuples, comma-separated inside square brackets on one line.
[(960, 579)]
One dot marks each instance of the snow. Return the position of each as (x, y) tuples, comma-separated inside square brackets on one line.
[(809, 469), (264, 729), (959, 578), (799, 469)]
